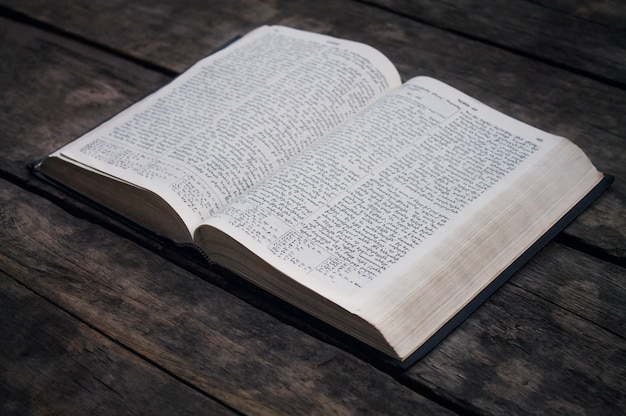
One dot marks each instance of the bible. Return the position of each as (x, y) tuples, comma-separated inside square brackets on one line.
[(304, 164)]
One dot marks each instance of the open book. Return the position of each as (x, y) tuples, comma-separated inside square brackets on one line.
[(302, 163)]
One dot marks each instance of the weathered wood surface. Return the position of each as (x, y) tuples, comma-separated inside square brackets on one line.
[(52, 363), (586, 37), (589, 112), (552, 340)]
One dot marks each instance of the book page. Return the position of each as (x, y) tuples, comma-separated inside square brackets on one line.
[(235, 117), (387, 185)]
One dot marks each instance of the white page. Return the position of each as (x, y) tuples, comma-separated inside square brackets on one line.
[(388, 183), (234, 117)]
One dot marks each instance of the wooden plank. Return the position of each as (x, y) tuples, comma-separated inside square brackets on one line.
[(520, 353), (583, 36), (214, 342), (537, 93), (40, 94), (51, 363), (590, 288)]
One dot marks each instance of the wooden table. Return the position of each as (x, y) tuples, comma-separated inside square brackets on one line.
[(96, 318)]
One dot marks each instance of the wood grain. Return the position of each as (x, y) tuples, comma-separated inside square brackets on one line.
[(54, 90), (583, 37), (592, 289), (587, 111), (51, 363), (214, 342), (551, 341)]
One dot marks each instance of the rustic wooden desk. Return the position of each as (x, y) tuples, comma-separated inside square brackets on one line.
[(95, 318)]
